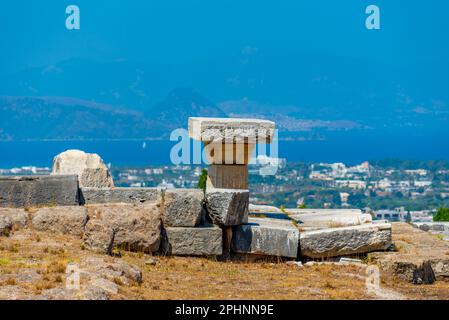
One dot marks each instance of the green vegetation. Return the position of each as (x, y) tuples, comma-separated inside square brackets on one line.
[(293, 183), (202, 180), (442, 214), (432, 165)]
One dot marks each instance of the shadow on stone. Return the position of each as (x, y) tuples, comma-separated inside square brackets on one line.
[(424, 274)]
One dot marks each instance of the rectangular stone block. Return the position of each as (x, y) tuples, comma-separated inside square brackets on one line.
[(119, 195), (264, 236), (329, 218), (202, 241), (28, 191), (227, 207), (134, 227), (64, 220), (294, 211), (183, 207), (432, 226), (256, 208), (334, 242), (227, 176), (12, 218), (210, 129)]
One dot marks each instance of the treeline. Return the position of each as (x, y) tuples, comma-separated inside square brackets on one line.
[(392, 163)]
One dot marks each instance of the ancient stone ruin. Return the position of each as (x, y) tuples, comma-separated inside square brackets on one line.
[(79, 198)]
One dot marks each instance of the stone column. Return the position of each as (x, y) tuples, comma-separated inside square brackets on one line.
[(229, 146)]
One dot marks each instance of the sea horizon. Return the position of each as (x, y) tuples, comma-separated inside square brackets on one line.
[(349, 149)]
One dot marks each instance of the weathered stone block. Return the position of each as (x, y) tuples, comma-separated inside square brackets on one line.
[(65, 220), (129, 226), (11, 219), (333, 242), (227, 177), (183, 207), (17, 216), (90, 168), (295, 211), (119, 195), (265, 236), (5, 225), (28, 191), (202, 241), (227, 207), (256, 208), (233, 129), (438, 227), (329, 218)]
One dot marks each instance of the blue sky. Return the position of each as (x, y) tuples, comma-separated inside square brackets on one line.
[(185, 31), (305, 59), (311, 54)]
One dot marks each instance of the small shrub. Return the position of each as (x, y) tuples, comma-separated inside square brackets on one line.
[(202, 180), (442, 214)]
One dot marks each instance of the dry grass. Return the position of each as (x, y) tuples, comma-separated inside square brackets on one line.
[(199, 278), (192, 278), (437, 291)]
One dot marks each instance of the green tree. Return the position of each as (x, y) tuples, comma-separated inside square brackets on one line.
[(442, 214)]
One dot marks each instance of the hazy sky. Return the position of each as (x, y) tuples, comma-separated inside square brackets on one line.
[(33, 33)]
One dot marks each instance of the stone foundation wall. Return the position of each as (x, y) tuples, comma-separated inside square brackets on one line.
[(173, 221)]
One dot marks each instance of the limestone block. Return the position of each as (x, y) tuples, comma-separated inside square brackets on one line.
[(90, 168), (438, 227), (231, 129), (329, 218), (183, 207), (264, 236), (296, 211), (29, 191), (325, 243), (11, 219), (256, 208), (227, 207), (5, 225), (119, 195), (129, 226), (16, 216), (201, 241), (64, 220)]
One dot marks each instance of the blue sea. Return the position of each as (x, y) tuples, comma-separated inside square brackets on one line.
[(340, 147)]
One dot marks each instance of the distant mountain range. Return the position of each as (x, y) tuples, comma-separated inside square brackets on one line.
[(69, 118), (81, 99)]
